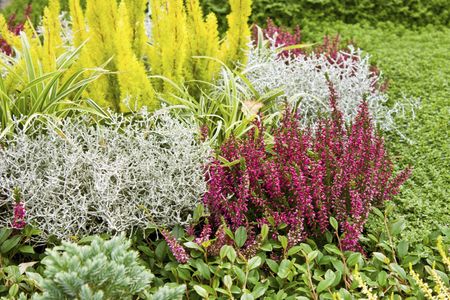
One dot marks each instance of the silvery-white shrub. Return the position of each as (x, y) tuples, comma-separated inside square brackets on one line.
[(84, 179), (304, 81)]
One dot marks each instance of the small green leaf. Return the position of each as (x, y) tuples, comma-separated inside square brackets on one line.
[(312, 255), (381, 257), (239, 274), (254, 262), (240, 236), (264, 231), (26, 249), (5, 232), (203, 269), (192, 245), (267, 247), (397, 227), (382, 278), (327, 282), (201, 291), (247, 297), (332, 249), (334, 223), (353, 259), (13, 290), (9, 244), (272, 265), (227, 281), (399, 270), (283, 240), (284, 268), (294, 250), (260, 289), (402, 248)]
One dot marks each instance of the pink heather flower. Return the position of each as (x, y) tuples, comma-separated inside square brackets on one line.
[(204, 235), (307, 176), (177, 250), (19, 215)]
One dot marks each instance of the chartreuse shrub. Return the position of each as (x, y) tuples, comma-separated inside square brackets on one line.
[(101, 270), (117, 40), (307, 176), (83, 178)]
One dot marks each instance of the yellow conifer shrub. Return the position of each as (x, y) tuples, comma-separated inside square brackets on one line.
[(238, 35), (133, 81)]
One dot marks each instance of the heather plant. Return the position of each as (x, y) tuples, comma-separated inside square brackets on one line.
[(303, 79), (101, 270), (307, 177), (83, 179)]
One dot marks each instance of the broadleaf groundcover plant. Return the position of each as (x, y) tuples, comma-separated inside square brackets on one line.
[(308, 176)]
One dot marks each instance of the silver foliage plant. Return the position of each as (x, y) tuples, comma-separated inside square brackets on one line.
[(83, 180), (304, 81)]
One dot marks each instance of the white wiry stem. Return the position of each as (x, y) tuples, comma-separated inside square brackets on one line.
[(114, 178)]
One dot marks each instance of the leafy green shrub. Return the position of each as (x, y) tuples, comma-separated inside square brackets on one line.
[(300, 12), (256, 266), (101, 270)]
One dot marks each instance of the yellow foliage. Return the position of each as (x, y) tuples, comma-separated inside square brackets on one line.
[(52, 43), (133, 81), (238, 35)]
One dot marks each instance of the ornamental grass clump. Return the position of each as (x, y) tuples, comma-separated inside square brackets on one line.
[(308, 176), (84, 179)]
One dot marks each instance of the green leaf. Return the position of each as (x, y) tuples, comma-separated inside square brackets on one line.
[(333, 249), (227, 281), (397, 227), (312, 255), (5, 232), (283, 240), (272, 265), (192, 245), (254, 262), (267, 247), (294, 250), (264, 231), (284, 268), (327, 282), (334, 223), (239, 274), (9, 244), (402, 248), (13, 290), (26, 249), (260, 289), (240, 236), (201, 291), (382, 278), (353, 259), (203, 269), (381, 257), (399, 270), (247, 297)]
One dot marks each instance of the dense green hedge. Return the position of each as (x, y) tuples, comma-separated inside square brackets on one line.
[(296, 12)]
